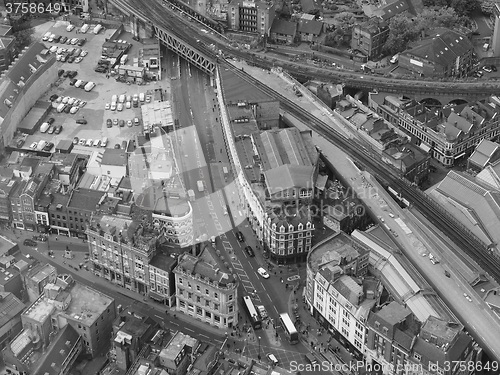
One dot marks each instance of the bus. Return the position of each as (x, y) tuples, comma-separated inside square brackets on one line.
[(252, 313), (289, 328)]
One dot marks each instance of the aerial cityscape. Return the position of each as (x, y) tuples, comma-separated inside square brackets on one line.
[(250, 187)]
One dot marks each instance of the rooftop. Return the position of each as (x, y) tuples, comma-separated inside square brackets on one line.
[(10, 307), (85, 199), (484, 152), (163, 261), (41, 272), (115, 157), (157, 113), (283, 27), (236, 90), (174, 347)]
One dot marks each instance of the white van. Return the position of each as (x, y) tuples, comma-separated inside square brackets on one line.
[(78, 83), (486, 47), (104, 142), (46, 36), (124, 59), (142, 97), (272, 358), (70, 27), (121, 99), (41, 145), (60, 108), (85, 28), (114, 98), (89, 86), (44, 127), (394, 59)]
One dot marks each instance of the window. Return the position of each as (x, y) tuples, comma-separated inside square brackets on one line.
[(198, 288), (190, 295), (199, 311), (417, 356), (230, 297), (180, 280), (216, 306), (216, 295), (207, 292)]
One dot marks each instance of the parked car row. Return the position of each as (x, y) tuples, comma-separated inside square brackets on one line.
[(91, 142), (122, 123), (69, 55), (49, 127), (42, 146), (67, 104), (54, 38), (67, 73), (118, 103)]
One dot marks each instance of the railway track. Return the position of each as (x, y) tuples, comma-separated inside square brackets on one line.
[(469, 244)]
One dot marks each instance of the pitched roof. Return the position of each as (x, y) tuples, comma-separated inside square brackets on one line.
[(283, 27), (442, 48), (310, 27), (58, 352), (10, 307), (483, 152), (392, 9)]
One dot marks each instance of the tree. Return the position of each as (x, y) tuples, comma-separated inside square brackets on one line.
[(336, 38), (345, 20), (431, 18), (464, 8), (22, 39), (402, 31), (436, 3)]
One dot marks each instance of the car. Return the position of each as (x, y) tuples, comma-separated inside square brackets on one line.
[(74, 41), (51, 120), (121, 123), (78, 59), (53, 97), (120, 107), (71, 101), (73, 81), (113, 106), (66, 73), (249, 251), (63, 39), (213, 240), (487, 69), (53, 49), (48, 146), (84, 53), (89, 142), (128, 105), (100, 69), (67, 108), (262, 272), (136, 121), (239, 236), (81, 42), (115, 121), (34, 145), (129, 123), (51, 38), (72, 74), (59, 99), (124, 145), (59, 57), (83, 84), (117, 146), (76, 140), (20, 143), (64, 57), (60, 50), (70, 28), (69, 41), (272, 358), (58, 129), (434, 261), (51, 129), (60, 72), (109, 123), (77, 102), (66, 99), (74, 109), (83, 103), (81, 121), (71, 59), (29, 242), (82, 142), (262, 311), (107, 106), (148, 99)]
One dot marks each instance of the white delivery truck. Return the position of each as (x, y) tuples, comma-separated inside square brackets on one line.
[(97, 29), (60, 108), (41, 145), (85, 28), (200, 185), (44, 127), (89, 86)]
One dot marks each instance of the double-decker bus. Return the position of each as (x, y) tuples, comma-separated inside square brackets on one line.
[(253, 314), (291, 332)]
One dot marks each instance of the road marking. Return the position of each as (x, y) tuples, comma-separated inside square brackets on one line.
[(158, 316), (189, 329), (201, 334)]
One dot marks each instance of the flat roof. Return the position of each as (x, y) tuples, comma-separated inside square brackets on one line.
[(238, 90), (85, 199)]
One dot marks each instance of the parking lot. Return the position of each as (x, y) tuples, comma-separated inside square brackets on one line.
[(94, 111)]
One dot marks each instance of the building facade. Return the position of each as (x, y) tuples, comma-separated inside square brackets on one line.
[(120, 250), (206, 290), (254, 17), (162, 279), (449, 134), (369, 38)]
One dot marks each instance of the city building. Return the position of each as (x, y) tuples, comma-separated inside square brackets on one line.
[(7, 186), (176, 356), (310, 30), (486, 153), (132, 73), (369, 37), (392, 332), (335, 296), (36, 279), (20, 88), (11, 280), (131, 332), (120, 250), (412, 162), (114, 163), (162, 278), (157, 114), (283, 31), (67, 168), (450, 133), (254, 17), (149, 55), (10, 318), (446, 53), (439, 343), (6, 52), (329, 93), (206, 289)]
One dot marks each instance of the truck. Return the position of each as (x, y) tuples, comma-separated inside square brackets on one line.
[(200, 185), (124, 59), (44, 127), (225, 171), (97, 29), (191, 195)]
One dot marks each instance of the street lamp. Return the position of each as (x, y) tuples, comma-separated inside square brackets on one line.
[(258, 355)]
